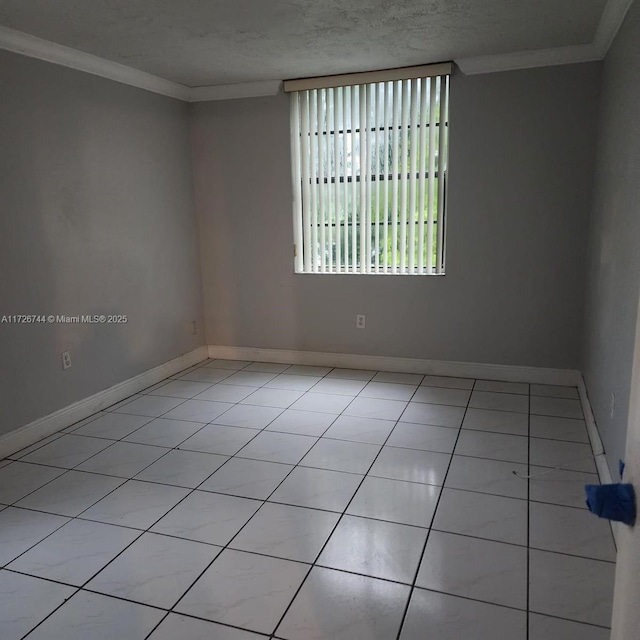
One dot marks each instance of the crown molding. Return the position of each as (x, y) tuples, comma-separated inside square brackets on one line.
[(611, 20), (528, 59), (231, 91), (23, 43), (33, 47)]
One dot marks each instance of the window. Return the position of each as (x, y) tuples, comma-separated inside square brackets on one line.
[(369, 167)]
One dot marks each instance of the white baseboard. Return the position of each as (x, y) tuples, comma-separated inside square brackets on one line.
[(604, 472), (505, 373), (594, 436), (42, 427)]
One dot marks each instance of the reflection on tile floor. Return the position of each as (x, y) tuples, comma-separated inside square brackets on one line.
[(241, 500)]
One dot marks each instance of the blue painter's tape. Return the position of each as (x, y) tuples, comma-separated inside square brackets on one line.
[(612, 501)]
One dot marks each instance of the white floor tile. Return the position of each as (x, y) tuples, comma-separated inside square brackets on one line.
[(249, 378), (248, 416), (198, 410), (19, 479), (226, 393), (123, 459), (176, 626), (267, 367), (423, 436), (68, 451), (399, 378), (438, 415), (282, 398), (207, 517), (487, 476), (448, 382), (322, 402), (502, 387), (392, 551), (71, 493), (207, 374), (136, 504), (388, 391), (351, 374), (164, 433), (306, 370), (571, 531), (180, 389), (25, 601), (340, 455), (560, 487), (473, 568), (339, 386), (292, 382), (546, 628), (335, 424), (272, 446), (482, 515), (342, 606), (128, 400), (304, 423), (411, 465), (244, 590), (247, 478), (155, 570), (294, 533), (113, 426), (183, 468), (76, 552), (20, 529), (395, 501), (23, 452), (81, 423), (90, 615), (219, 439), (354, 429), (152, 406), (499, 401), (317, 488), (554, 428), (375, 408), (445, 617), (560, 407), (516, 424), (569, 455), (574, 588), (553, 391), (231, 365), (442, 395), (496, 446)]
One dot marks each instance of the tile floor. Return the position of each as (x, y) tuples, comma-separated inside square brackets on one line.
[(238, 501)]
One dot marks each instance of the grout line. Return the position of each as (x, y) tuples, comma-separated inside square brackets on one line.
[(435, 511), (342, 514), (267, 500)]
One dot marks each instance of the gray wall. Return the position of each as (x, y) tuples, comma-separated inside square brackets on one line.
[(614, 251), (96, 217), (521, 161)]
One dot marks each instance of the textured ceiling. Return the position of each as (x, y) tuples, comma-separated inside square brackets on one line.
[(210, 42)]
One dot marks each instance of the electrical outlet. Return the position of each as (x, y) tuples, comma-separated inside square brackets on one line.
[(194, 328), (66, 359), (612, 405), (361, 321)]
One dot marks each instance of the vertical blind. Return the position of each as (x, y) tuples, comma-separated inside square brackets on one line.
[(369, 166)]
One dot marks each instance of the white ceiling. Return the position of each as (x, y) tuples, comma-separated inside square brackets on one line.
[(217, 42)]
